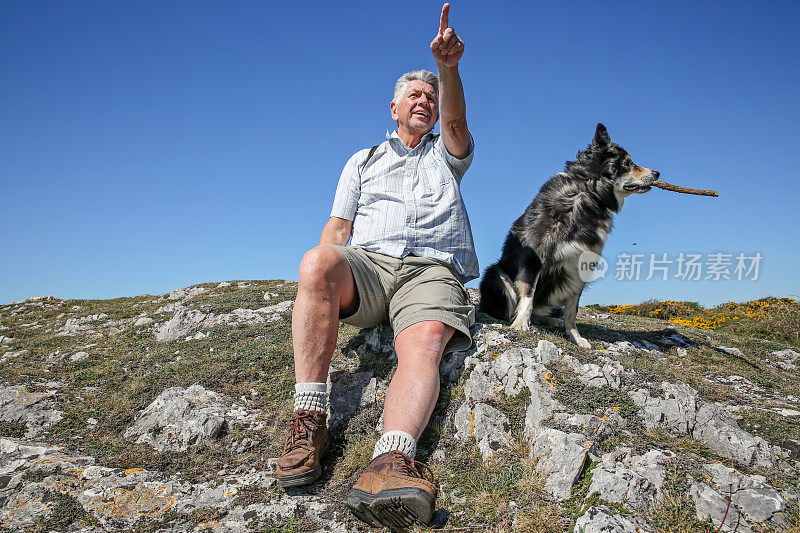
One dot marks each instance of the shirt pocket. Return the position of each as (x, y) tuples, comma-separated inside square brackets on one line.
[(434, 174)]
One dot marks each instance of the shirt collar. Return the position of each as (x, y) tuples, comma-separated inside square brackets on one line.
[(425, 138)]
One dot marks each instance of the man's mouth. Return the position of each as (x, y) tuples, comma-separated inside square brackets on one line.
[(421, 113)]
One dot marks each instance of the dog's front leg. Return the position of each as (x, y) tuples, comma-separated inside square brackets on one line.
[(570, 314), (526, 290)]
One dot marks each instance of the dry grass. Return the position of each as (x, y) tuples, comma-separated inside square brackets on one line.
[(540, 518), (675, 512)]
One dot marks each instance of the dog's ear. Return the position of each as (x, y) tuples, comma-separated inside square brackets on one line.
[(601, 137)]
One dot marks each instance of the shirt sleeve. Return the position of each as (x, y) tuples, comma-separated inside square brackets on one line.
[(458, 166), (345, 202)]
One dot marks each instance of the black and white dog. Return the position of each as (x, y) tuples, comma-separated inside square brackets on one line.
[(568, 220)]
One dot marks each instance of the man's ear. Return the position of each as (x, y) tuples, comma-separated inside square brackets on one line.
[(393, 110), (601, 137)]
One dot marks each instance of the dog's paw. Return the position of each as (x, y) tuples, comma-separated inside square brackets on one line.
[(583, 343)]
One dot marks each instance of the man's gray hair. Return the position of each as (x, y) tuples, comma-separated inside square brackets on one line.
[(422, 75)]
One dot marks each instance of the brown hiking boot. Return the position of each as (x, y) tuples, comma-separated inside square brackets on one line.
[(393, 492), (306, 444)]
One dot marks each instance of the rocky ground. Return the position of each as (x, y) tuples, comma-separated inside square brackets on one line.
[(164, 413)]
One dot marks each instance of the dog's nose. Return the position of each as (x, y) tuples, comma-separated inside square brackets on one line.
[(656, 173)]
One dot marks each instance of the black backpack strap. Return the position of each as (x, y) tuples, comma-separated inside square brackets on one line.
[(369, 156)]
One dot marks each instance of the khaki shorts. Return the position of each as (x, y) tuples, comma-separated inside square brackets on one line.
[(409, 290)]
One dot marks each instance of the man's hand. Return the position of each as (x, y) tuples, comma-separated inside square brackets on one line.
[(447, 47)]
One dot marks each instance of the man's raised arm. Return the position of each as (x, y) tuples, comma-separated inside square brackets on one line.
[(336, 231), (447, 49)]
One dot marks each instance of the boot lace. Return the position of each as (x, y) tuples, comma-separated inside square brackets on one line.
[(299, 431), (409, 467)]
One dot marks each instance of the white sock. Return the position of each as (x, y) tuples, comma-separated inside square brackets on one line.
[(396, 440), (311, 397)]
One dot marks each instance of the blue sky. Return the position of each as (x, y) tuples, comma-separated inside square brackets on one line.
[(152, 145)]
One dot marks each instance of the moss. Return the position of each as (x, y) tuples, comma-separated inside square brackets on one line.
[(64, 512), (675, 512), (12, 429)]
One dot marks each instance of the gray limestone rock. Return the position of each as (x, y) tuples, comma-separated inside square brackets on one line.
[(184, 321), (487, 337), (753, 501), (380, 340), (679, 340), (501, 375), (682, 411), (143, 321), (730, 351), (85, 324), (187, 320), (117, 499), (547, 352), (186, 293), (36, 410), (633, 482), (649, 345), (347, 394), (561, 457), (239, 317), (453, 365), (675, 411), (784, 359), (718, 429), (711, 505), (489, 427), (179, 418), (594, 375), (481, 384), (11, 355), (592, 427), (78, 356), (608, 520), (542, 407)]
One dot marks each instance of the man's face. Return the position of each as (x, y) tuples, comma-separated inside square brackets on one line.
[(417, 110)]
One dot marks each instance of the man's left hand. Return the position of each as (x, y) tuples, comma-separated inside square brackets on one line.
[(447, 47)]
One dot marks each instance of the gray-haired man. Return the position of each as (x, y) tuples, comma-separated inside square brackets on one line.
[(411, 252)]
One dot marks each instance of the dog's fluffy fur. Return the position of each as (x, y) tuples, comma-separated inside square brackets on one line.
[(539, 267)]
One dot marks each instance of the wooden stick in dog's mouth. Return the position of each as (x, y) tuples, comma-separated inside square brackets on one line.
[(685, 190)]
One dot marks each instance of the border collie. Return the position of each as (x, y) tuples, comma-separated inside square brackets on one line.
[(569, 220)]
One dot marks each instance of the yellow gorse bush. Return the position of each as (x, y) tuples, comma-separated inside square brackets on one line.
[(766, 316)]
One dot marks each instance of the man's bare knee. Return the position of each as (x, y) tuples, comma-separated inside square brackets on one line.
[(427, 338), (325, 269), (322, 265)]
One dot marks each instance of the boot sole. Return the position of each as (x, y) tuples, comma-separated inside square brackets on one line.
[(393, 508), (306, 478)]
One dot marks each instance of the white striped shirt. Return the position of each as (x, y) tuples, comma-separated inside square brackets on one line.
[(408, 201)]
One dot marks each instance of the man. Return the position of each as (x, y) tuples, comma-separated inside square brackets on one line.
[(411, 252)]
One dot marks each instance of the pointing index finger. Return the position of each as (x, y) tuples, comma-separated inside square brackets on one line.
[(443, 23)]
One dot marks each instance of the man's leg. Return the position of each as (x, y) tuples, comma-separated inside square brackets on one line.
[(414, 388), (394, 490), (326, 286)]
